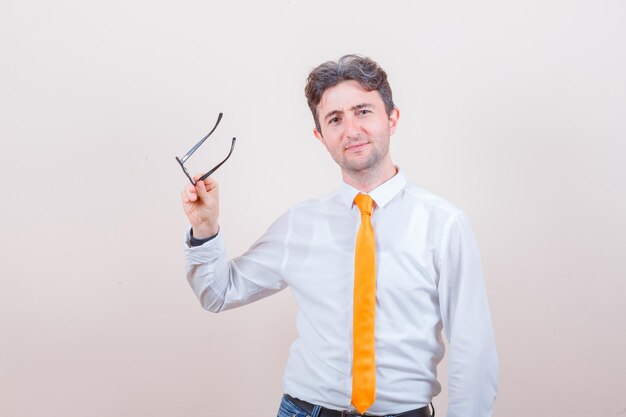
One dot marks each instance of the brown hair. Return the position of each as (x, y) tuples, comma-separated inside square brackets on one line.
[(349, 67)]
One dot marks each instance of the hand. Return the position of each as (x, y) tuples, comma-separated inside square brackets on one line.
[(201, 205)]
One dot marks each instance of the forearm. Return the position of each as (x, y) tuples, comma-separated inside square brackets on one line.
[(222, 284), (473, 372), (205, 270)]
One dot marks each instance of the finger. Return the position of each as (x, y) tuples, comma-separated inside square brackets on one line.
[(205, 186), (199, 188), (184, 197), (190, 194), (210, 184)]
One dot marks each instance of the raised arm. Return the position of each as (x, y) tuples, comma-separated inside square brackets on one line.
[(219, 283)]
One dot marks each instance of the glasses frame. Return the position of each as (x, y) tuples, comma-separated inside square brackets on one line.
[(181, 161)]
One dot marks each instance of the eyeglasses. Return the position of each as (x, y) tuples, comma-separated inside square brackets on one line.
[(182, 160)]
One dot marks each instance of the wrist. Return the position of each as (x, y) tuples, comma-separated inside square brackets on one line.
[(200, 232)]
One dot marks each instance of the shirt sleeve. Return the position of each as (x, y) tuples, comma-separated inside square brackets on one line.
[(472, 359), (222, 284)]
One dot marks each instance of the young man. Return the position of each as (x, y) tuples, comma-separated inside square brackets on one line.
[(378, 269)]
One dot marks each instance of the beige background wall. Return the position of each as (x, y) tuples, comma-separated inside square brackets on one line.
[(514, 111)]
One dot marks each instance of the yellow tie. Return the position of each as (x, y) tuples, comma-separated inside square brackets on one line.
[(363, 366)]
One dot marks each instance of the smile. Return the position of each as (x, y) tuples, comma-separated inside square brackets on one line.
[(356, 146)]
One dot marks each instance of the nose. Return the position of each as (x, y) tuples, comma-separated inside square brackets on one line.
[(352, 127)]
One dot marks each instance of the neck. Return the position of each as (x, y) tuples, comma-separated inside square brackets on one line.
[(367, 180)]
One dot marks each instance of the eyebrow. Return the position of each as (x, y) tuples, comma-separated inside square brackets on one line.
[(357, 107)]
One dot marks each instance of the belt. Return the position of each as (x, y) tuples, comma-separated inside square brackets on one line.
[(327, 412)]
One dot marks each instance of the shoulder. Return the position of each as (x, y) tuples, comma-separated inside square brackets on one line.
[(308, 208), (430, 201), (315, 204), (304, 216), (450, 226)]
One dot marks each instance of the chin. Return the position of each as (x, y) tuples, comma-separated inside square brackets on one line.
[(356, 166)]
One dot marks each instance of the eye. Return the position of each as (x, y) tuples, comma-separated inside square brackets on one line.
[(363, 112), (334, 121)]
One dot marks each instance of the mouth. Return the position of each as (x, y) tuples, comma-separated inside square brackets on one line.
[(356, 146)]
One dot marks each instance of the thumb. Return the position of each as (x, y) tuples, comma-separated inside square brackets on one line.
[(203, 188)]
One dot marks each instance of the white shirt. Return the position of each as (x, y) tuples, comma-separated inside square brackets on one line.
[(429, 277)]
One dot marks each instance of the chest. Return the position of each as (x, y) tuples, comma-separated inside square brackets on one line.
[(321, 255)]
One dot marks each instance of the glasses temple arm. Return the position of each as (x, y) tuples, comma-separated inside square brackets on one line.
[(185, 171), (205, 176), (197, 145)]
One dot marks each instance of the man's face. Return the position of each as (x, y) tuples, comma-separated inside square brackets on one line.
[(355, 127)]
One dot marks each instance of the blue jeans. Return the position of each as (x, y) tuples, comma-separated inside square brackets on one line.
[(289, 409)]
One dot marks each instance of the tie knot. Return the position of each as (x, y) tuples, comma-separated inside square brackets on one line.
[(364, 202)]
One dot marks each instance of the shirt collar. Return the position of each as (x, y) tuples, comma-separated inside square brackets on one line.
[(381, 194)]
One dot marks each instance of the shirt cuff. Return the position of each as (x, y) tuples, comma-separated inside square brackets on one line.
[(197, 242)]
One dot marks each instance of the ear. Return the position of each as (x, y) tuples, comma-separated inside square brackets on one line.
[(393, 120), (319, 137)]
